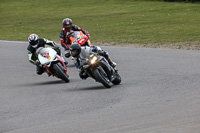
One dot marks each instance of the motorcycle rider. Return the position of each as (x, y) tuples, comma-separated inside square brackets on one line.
[(68, 28), (34, 43), (75, 50)]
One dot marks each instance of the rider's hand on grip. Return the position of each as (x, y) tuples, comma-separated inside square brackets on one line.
[(88, 35), (57, 49), (67, 54), (67, 46)]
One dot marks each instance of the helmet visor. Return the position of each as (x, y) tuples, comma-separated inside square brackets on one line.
[(74, 53), (34, 44), (69, 26)]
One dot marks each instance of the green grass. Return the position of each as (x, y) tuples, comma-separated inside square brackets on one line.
[(119, 21)]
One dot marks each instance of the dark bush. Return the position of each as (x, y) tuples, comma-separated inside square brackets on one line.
[(182, 0)]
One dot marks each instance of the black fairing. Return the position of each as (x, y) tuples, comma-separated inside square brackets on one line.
[(106, 67), (85, 57)]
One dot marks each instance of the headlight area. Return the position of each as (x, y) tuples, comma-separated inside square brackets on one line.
[(93, 60)]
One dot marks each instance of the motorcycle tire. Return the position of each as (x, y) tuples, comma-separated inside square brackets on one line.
[(60, 72), (117, 79), (102, 78)]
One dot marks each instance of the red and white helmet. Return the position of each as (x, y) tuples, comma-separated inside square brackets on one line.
[(33, 40)]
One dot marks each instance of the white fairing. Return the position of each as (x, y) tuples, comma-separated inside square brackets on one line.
[(46, 55)]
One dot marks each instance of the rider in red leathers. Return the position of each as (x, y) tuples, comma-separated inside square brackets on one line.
[(66, 30)]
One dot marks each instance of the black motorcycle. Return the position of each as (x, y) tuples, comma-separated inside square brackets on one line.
[(98, 68)]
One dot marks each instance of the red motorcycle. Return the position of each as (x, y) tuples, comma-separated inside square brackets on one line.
[(80, 38)]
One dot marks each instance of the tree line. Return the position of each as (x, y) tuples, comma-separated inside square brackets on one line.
[(182, 0)]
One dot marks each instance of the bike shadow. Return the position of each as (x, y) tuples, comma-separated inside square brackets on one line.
[(99, 87), (45, 83)]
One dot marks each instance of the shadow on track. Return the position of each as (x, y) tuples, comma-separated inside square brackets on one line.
[(45, 83), (89, 88)]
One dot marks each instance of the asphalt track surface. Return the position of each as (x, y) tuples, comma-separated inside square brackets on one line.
[(159, 93)]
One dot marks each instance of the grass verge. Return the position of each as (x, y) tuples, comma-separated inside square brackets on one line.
[(108, 21)]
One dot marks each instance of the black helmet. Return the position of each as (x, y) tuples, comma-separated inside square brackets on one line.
[(33, 40), (75, 49), (67, 24)]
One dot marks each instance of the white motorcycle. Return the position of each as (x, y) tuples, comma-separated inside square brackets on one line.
[(53, 63)]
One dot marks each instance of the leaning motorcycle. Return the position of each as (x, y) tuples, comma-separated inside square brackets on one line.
[(98, 68), (52, 62)]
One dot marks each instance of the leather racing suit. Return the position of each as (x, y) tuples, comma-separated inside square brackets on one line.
[(33, 58), (65, 40)]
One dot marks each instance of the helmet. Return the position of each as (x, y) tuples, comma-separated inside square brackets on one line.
[(33, 40), (75, 49), (67, 24)]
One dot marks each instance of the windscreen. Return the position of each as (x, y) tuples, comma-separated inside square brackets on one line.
[(85, 52)]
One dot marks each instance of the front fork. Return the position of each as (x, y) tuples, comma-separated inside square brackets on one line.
[(60, 62), (106, 68), (60, 59)]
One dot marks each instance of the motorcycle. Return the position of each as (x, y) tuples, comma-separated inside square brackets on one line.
[(79, 37), (98, 68), (52, 62)]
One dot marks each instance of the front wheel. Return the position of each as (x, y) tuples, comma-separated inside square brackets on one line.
[(100, 76), (60, 71)]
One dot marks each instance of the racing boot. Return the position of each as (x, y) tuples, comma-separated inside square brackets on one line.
[(106, 55), (83, 75), (112, 63), (39, 70)]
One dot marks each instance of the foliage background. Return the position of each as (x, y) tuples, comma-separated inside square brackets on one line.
[(119, 21)]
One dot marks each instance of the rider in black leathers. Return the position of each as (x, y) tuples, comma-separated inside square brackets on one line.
[(34, 43), (75, 50)]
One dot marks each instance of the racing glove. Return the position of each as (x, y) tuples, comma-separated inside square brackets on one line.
[(67, 53), (88, 34), (57, 49), (67, 47)]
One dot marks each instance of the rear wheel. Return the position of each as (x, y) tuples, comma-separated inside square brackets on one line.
[(100, 76), (117, 79), (61, 72)]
